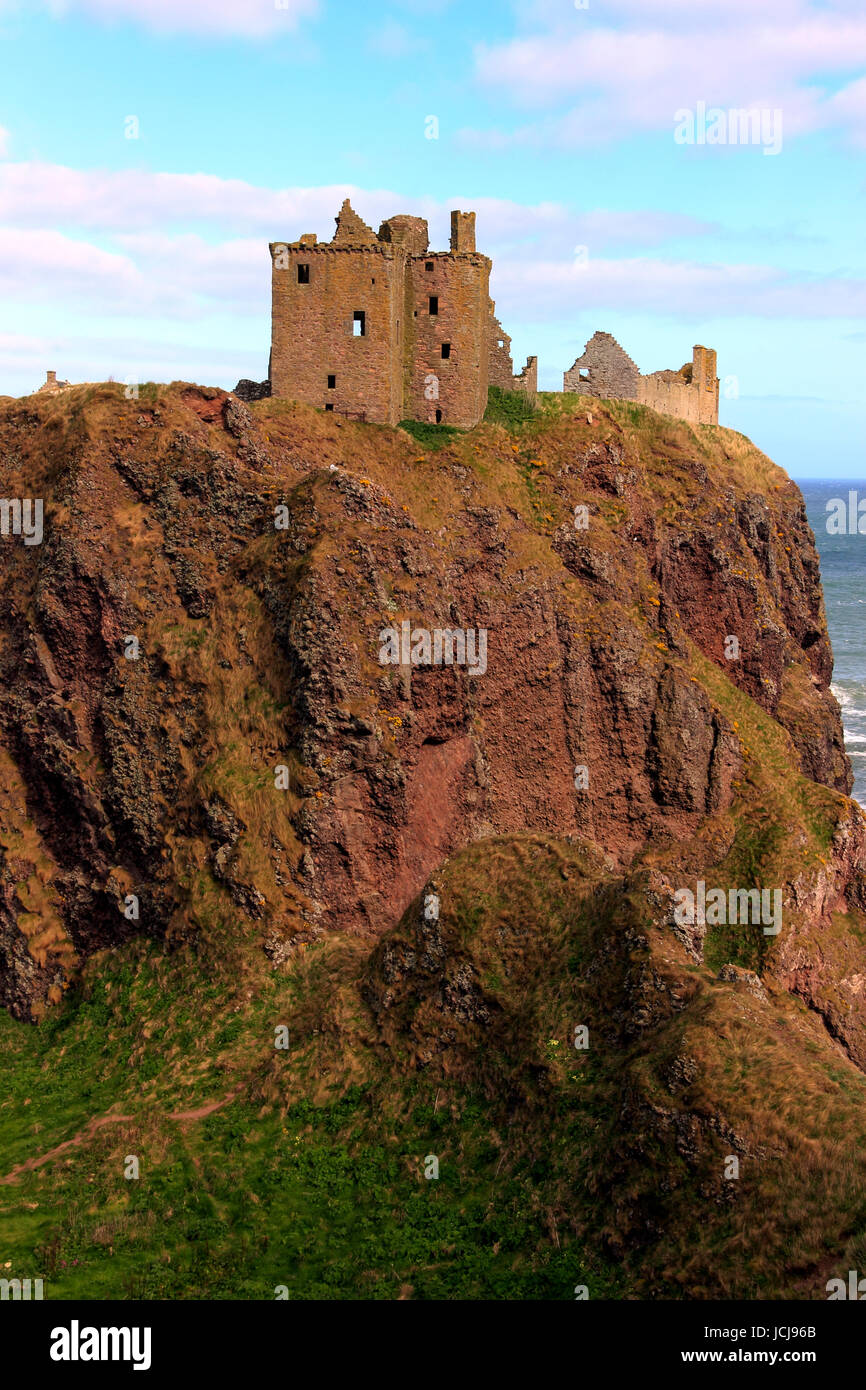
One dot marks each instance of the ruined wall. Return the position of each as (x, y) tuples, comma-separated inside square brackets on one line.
[(500, 368), (312, 328), (706, 382), (408, 233), (691, 394), (604, 369), (425, 351), (51, 385), (500, 365), (527, 380), (459, 285), (671, 394)]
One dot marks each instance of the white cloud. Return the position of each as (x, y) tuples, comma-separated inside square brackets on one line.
[(25, 358), (45, 265), (565, 15), (848, 108), (146, 274), (36, 195), (246, 18), (544, 291), (186, 277), (175, 256), (600, 82), (33, 195)]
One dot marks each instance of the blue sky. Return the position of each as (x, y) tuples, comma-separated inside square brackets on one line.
[(147, 257)]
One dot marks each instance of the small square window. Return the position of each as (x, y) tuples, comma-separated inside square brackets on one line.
[(429, 265), (332, 382), (329, 407), (446, 350), (359, 323), (434, 304), (303, 275)]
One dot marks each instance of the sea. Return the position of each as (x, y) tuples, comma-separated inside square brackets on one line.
[(843, 574)]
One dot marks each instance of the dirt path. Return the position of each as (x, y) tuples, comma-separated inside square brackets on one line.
[(204, 1110), (97, 1123)]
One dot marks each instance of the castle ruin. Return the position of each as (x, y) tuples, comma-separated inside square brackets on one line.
[(605, 369), (51, 385), (377, 327)]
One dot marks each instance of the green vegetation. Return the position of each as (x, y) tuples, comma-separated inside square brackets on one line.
[(429, 436), (324, 1195), (509, 408)]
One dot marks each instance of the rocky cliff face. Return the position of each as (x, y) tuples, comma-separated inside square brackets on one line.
[(444, 871), (609, 634)]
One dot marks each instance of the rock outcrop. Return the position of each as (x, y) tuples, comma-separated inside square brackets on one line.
[(257, 633), (237, 786)]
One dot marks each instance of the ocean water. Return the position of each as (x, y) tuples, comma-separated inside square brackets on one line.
[(843, 574)]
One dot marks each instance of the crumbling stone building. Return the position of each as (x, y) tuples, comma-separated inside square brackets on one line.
[(51, 385), (378, 327), (605, 369)]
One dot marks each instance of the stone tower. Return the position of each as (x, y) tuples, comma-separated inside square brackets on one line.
[(378, 327)]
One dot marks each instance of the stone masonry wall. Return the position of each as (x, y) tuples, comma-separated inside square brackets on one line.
[(706, 381), (414, 359), (501, 367), (454, 385), (671, 394), (611, 373), (691, 394), (312, 328), (527, 380)]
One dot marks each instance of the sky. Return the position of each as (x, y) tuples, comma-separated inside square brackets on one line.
[(150, 150)]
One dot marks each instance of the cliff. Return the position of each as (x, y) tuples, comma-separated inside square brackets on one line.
[(254, 808)]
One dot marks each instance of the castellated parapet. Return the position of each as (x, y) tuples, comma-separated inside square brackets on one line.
[(377, 327), (605, 369)]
